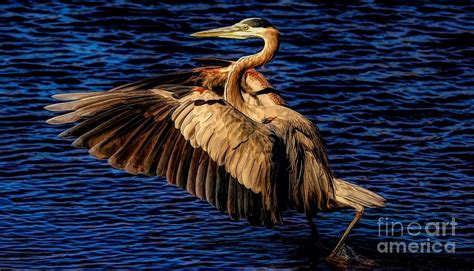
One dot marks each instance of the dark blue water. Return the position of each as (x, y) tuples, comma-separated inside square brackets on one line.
[(390, 86)]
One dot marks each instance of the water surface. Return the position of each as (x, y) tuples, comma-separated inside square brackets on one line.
[(390, 86)]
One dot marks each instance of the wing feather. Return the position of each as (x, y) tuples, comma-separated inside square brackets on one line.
[(201, 177), (221, 188), (193, 168), (210, 183), (232, 207), (121, 157)]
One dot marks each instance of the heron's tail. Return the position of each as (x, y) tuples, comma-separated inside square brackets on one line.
[(354, 195)]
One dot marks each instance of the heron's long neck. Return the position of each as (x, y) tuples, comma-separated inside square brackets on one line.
[(232, 93)]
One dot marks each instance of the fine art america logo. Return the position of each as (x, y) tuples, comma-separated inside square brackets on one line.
[(428, 236)]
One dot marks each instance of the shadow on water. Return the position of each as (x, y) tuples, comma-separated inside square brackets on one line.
[(389, 85)]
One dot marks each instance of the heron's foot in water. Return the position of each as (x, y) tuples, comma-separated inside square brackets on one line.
[(347, 257)]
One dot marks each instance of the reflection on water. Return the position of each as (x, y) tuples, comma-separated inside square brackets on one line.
[(390, 86)]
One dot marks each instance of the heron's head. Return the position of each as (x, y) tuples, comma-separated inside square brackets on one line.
[(245, 29)]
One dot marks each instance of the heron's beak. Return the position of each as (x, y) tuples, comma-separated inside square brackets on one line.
[(230, 32)]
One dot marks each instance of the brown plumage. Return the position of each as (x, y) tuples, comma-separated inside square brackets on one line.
[(221, 132)]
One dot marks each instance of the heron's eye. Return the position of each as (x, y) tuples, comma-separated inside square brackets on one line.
[(245, 27)]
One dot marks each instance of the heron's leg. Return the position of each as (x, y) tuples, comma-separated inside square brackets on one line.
[(358, 215), (315, 241), (314, 230)]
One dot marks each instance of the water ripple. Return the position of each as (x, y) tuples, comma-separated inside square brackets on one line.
[(390, 86)]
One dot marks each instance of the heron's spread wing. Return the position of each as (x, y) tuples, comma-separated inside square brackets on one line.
[(255, 87), (212, 78), (188, 134)]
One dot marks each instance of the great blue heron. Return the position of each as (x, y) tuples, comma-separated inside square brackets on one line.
[(220, 132)]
